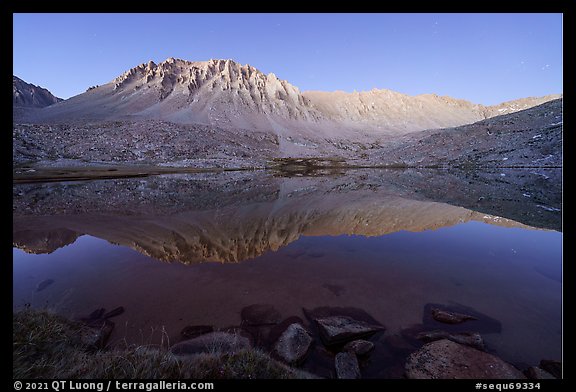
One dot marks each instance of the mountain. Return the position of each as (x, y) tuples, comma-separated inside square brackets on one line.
[(28, 95), (220, 113), (220, 93), (388, 110), (530, 137), (226, 94)]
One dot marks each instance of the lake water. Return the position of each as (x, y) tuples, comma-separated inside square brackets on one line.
[(178, 250)]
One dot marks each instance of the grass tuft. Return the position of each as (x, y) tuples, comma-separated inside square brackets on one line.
[(46, 345)]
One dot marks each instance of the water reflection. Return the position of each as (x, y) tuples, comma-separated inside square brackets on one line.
[(231, 217), (386, 242)]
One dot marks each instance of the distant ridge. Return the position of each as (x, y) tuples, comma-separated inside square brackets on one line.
[(31, 96), (219, 113), (227, 94)]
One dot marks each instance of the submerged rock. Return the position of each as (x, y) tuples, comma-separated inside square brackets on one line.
[(97, 334), (348, 311), (359, 347), (553, 367), (472, 339), (346, 365), (98, 315), (446, 359), (210, 343), (293, 344), (260, 314), (114, 312), (193, 331), (45, 283), (448, 317), (95, 315), (340, 329), (431, 336), (537, 373), (400, 345)]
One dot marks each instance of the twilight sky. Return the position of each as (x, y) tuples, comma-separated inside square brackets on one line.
[(483, 58)]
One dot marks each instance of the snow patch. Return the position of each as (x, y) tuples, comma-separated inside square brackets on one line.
[(548, 208), (540, 174), (543, 159)]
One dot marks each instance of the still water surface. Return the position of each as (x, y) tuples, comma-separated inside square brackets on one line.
[(197, 249)]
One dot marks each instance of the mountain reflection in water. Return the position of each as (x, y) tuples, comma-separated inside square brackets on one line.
[(231, 217), (385, 241)]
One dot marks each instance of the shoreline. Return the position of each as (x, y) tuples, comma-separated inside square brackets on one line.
[(287, 167), (48, 345)]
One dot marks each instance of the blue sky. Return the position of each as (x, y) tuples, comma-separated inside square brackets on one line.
[(484, 58)]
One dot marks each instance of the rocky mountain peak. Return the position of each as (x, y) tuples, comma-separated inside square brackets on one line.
[(206, 85), (227, 94), (226, 74), (29, 95)]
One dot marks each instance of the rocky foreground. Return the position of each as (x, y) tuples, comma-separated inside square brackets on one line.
[(48, 346), (336, 343), (332, 343)]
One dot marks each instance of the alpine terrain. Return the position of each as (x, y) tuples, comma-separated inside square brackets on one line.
[(219, 113)]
